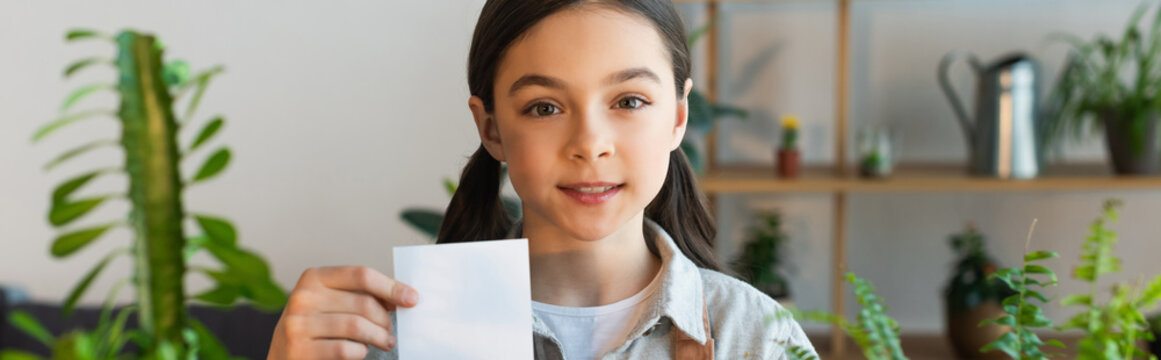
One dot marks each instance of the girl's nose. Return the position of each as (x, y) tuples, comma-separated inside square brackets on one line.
[(592, 138)]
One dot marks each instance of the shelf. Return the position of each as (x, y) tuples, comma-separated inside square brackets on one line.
[(919, 178)]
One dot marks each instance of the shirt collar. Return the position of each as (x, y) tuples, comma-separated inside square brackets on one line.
[(680, 297)]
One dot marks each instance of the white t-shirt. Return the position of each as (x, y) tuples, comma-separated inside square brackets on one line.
[(589, 332)]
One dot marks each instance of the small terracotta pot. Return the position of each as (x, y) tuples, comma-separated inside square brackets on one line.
[(788, 163), (967, 336)]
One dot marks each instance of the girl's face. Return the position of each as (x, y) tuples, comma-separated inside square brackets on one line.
[(585, 115)]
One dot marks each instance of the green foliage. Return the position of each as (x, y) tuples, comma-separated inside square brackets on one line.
[(1111, 330), (875, 332), (427, 221), (880, 332), (760, 262), (703, 113), (1022, 315), (970, 284), (156, 217), (1093, 82)]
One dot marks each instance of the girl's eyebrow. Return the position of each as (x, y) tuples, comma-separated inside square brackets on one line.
[(630, 74), (554, 83), (535, 79)]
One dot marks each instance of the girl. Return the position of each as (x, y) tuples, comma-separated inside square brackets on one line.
[(585, 101)]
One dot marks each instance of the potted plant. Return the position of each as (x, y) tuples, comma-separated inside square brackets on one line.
[(787, 153), (162, 245), (761, 260), (1113, 85), (972, 296)]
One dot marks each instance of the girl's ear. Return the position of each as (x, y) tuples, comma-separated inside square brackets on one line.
[(682, 116), (486, 126)]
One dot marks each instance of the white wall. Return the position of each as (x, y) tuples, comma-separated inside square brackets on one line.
[(343, 113), (340, 114)]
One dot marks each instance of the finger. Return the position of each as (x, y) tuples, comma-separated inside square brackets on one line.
[(338, 349), (368, 280), (346, 302), (350, 327)]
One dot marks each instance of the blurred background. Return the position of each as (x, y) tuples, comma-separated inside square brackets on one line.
[(343, 114)]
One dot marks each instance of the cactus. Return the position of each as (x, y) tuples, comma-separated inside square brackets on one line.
[(149, 90)]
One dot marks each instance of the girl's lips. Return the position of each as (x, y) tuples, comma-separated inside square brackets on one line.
[(592, 193)]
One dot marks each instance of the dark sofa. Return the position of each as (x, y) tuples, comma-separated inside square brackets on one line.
[(244, 330)]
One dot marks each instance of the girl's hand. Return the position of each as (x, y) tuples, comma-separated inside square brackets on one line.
[(334, 312)]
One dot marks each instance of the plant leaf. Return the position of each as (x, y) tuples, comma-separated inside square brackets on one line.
[(81, 93), (697, 33), (1076, 299), (218, 230), (80, 34), (266, 295), (175, 72), (720, 111), (1040, 255), (426, 221), (83, 285), (243, 265), (701, 115), (215, 164), (63, 191), (28, 324), (224, 295), (77, 151), (84, 63), (209, 347), (199, 82), (66, 120), (193, 244), (208, 131), (10, 354), (67, 244), (450, 186), (65, 212), (513, 206)]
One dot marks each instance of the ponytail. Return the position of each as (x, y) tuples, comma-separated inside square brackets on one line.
[(680, 209), (476, 211)]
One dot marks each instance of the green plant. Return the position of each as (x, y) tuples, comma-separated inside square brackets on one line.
[(703, 113), (789, 132), (160, 247), (970, 284), (1096, 81), (1113, 329), (427, 221), (760, 262), (875, 332), (1022, 314)]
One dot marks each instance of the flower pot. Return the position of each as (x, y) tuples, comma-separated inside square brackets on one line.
[(788, 163), (967, 337), (1132, 149)]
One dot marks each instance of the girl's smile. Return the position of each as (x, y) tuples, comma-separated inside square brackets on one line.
[(591, 193)]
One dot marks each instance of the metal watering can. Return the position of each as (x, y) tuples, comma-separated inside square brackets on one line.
[(1003, 137)]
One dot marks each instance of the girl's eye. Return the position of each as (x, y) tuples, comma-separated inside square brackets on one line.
[(542, 109), (631, 103)]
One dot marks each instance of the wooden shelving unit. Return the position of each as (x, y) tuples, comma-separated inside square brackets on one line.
[(918, 178), (839, 180)]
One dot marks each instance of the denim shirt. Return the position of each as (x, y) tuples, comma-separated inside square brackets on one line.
[(740, 317)]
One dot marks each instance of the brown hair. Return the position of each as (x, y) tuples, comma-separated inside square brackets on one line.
[(476, 211)]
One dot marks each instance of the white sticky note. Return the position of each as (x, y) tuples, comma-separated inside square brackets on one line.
[(475, 301)]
